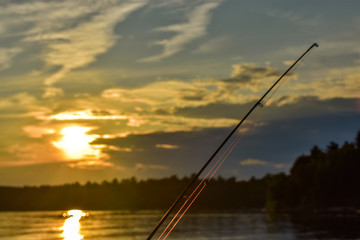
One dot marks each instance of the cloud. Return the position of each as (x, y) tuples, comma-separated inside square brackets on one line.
[(250, 74), (333, 73), (168, 123), (198, 20), (251, 161), (211, 46), (52, 92), (77, 47), (164, 94), (22, 105), (167, 146), (93, 165), (87, 114), (282, 166), (6, 55), (73, 32), (257, 162), (118, 149), (37, 132), (32, 153), (343, 83), (59, 14), (245, 83), (17, 100), (112, 121), (165, 3)]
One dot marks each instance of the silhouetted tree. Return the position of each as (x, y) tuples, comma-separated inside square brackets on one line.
[(358, 140), (322, 179), (333, 146)]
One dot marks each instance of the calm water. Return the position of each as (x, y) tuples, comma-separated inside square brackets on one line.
[(122, 225)]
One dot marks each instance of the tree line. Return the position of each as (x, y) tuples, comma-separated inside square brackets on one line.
[(320, 179), (131, 194)]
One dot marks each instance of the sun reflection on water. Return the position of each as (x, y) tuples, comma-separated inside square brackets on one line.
[(71, 227)]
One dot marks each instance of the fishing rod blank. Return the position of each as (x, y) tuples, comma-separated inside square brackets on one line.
[(196, 177)]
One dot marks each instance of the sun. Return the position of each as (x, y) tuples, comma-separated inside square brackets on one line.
[(75, 143)]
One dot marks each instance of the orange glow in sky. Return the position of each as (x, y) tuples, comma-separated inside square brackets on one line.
[(75, 143)]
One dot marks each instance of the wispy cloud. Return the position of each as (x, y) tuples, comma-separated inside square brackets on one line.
[(257, 162), (6, 55), (87, 114), (51, 92), (198, 20), (32, 153), (250, 77), (93, 165), (212, 45), (167, 146), (77, 47), (74, 33), (251, 161), (21, 105), (37, 131)]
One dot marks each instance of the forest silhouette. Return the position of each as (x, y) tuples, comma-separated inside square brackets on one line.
[(318, 181)]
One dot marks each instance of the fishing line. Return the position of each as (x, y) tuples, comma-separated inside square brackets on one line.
[(192, 194), (219, 162), (223, 157), (185, 210), (287, 77), (260, 103), (194, 191)]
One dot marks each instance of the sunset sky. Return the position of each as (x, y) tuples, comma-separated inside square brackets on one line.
[(93, 90)]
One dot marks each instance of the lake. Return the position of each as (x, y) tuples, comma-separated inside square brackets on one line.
[(127, 225)]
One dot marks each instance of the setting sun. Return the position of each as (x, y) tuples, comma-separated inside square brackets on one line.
[(76, 143)]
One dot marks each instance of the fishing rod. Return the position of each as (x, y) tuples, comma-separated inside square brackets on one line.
[(196, 177)]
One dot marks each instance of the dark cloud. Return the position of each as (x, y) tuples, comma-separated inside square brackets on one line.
[(310, 107), (100, 112), (193, 94), (300, 107), (192, 147), (278, 142), (248, 73), (215, 110), (241, 78)]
